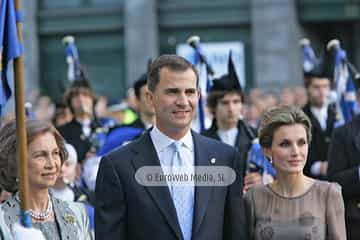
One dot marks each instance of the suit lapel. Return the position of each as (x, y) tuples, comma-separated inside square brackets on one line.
[(202, 194), (147, 156)]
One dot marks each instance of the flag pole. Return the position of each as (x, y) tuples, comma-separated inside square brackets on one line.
[(21, 143)]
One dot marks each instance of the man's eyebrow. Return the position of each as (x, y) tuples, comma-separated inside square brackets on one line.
[(191, 89), (172, 89)]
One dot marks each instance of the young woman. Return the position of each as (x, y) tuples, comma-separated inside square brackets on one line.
[(294, 206)]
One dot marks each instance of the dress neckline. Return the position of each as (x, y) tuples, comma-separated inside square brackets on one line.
[(290, 198)]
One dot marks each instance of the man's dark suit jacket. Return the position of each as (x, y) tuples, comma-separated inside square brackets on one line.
[(243, 139), (319, 146), (128, 210), (344, 161)]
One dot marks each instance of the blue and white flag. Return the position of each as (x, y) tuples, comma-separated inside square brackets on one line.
[(345, 90), (72, 59), (257, 161), (195, 59), (10, 46), (309, 58)]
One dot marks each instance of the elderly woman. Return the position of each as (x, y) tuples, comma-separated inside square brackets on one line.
[(294, 206), (56, 219)]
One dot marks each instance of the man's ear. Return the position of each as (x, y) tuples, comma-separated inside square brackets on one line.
[(149, 97), (198, 92)]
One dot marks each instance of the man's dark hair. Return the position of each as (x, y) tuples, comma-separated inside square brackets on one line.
[(172, 62), (74, 91), (320, 71), (142, 81), (214, 97), (309, 78)]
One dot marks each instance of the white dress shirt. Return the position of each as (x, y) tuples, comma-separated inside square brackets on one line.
[(321, 115), (86, 126), (228, 136), (162, 146), (165, 152)]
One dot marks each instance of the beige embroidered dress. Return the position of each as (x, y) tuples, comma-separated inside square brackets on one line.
[(316, 214)]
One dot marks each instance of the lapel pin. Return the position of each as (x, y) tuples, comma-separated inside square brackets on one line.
[(213, 161)]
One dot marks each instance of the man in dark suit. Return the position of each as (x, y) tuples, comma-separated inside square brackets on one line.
[(344, 168), (128, 210), (322, 115)]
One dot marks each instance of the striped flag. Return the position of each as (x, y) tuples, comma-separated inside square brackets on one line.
[(195, 59), (72, 59), (10, 46), (344, 87), (309, 57)]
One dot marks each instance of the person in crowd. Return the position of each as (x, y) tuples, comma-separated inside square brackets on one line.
[(85, 131), (131, 98), (301, 97), (270, 100), (225, 101), (254, 112), (55, 218), (255, 94), (344, 168), (100, 107), (322, 115), (62, 115), (67, 187), (145, 110), (294, 206), (125, 133), (44, 108), (287, 96), (117, 111), (126, 209), (62, 188), (130, 113)]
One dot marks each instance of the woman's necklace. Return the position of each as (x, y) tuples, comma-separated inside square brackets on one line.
[(43, 215)]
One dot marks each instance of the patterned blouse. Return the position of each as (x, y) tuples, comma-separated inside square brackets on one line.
[(316, 214), (71, 220)]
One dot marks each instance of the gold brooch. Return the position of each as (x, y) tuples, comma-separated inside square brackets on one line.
[(70, 219)]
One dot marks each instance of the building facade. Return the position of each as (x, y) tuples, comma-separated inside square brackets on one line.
[(116, 38)]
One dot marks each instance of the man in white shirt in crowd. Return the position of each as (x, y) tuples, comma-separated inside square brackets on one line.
[(225, 101), (322, 115)]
